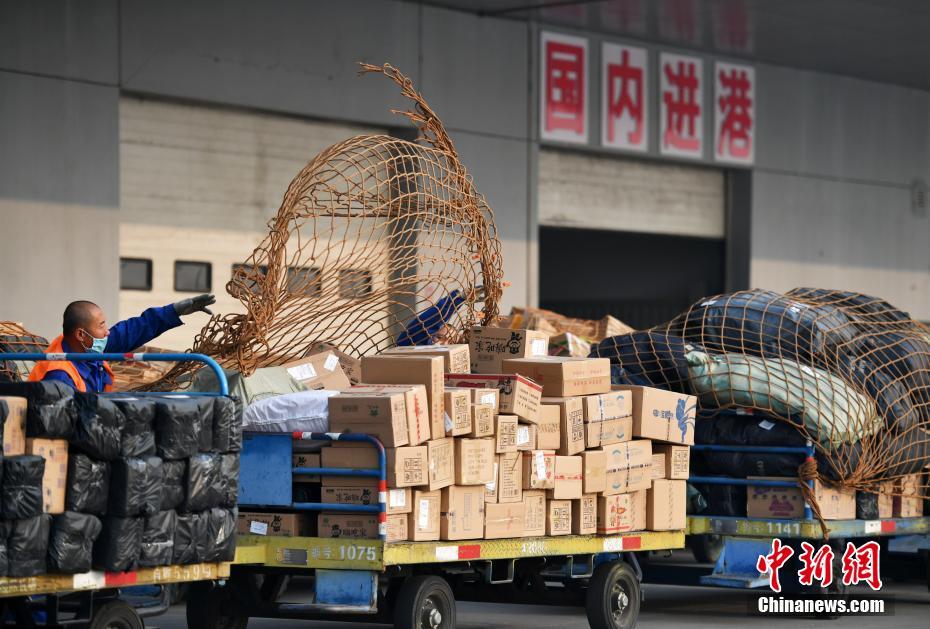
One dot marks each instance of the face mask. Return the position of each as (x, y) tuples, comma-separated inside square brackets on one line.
[(97, 345)]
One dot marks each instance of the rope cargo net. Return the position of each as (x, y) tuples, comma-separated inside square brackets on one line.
[(378, 241)]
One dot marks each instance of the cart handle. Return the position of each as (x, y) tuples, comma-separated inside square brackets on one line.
[(129, 356)]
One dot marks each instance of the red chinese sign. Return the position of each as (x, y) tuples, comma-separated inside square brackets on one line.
[(624, 104), (564, 88), (681, 110), (860, 564), (734, 112)]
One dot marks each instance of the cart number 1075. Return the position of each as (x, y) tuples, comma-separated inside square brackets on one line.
[(357, 553)]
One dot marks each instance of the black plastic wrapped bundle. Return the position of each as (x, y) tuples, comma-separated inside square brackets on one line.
[(176, 423), (190, 538), (866, 505), (22, 486), (204, 487), (50, 409), (136, 486), (4, 554), (891, 396), (227, 425), (729, 500), (220, 539), (229, 479), (27, 546), (71, 543), (153, 487), (158, 539), (138, 438), (119, 544), (173, 484), (99, 426), (904, 358), (202, 417), (88, 488), (872, 309), (647, 358)]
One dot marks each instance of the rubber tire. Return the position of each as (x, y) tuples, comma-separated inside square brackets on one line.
[(115, 615), (413, 596), (207, 604), (706, 548), (599, 604)]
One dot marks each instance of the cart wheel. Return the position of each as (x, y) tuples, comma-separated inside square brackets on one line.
[(424, 602), (212, 606), (706, 548), (613, 597), (115, 615)]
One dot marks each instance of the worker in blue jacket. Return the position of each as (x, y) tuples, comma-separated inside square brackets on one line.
[(84, 329)]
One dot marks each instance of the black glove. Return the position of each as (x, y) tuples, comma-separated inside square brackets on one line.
[(195, 304)]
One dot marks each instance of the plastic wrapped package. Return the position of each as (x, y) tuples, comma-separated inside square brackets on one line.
[(729, 500), (173, 484), (204, 487), (229, 477), (647, 358), (71, 543), (138, 438), (51, 411), (4, 554), (176, 420), (88, 486), (200, 409), (220, 535), (154, 485), (190, 538), (99, 426), (119, 544), (866, 505), (227, 425), (22, 486), (27, 546), (158, 539), (136, 486)]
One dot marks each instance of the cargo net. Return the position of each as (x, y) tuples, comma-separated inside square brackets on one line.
[(14, 338), (849, 372), (378, 241)]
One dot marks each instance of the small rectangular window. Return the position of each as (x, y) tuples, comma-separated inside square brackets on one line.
[(135, 274), (193, 277), (354, 283), (305, 281)]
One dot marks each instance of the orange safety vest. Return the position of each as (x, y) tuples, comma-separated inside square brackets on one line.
[(43, 367)]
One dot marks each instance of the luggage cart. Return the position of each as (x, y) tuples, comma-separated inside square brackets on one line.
[(409, 584), (97, 599)]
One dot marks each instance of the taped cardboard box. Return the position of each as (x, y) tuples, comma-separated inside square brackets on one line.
[(504, 519), (910, 502), (276, 524), (456, 358), (55, 478), (534, 509), (788, 502), (584, 515), (423, 524), (462, 513), (440, 463), (563, 376), (14, 428), (415, 406), (621, 513), (538, 469), (457, 418), (547, 428), (306, 459), (507, 484), (615, 430), (628, 466), (558, 517), (567, 483), (482, 420), (425, 370), (677, 460), (666, 502), (518, 395), (474, 461), (382, 415), (406, 466), (360, 526), (662, 415), (592, 434), (398, 500), (886, 500), (479, 395), (526, 437), (571, 424), (657, 469), (319, 371), (593, 471), (351, 366), (491, 346), (604, 406), (505, 434)]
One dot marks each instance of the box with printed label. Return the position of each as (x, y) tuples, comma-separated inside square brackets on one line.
[(491, 346), (505, 519), (788, 502), (415, 404), (665, 505), (592, 434), (885, 500), (584, 515), (406, 466), (404, 369), (398, 500), (456, 358), (526, 437), (351, 366), (440, 463), (558, 517), (474, 461), (657, 469), (538, 469), (662, 415), (621, 513), (517, 395), (276, 524), (571, 424), (381, 415), (567, 483), (563, 376), (629, 466), (615, 430), (14, 428), (677, 460), (306, 459), (593, 471), (462, 512), (423, 524), (910, 502), (505, 434), (547, 428), (319, 371), (54, 480), (534, 508), (361, 526), (457, 418), (507, 485), (605, 406), (482, 420)]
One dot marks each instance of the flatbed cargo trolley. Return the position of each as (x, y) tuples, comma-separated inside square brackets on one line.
[(97, 599), (409, 584)]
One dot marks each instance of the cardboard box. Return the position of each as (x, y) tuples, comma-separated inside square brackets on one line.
[(526, 437), (482, 420), (657, 469), (615, 430), (507, 485), (486, 396), (788, 502), (415, 405), (628, 466), (677, 460), (462, 512), (517, 395), (593, 471), (440, 462), (505, 434), (402, 369), (474, 461), (351, 365), (538, 469), (406, 466), (571, 424), (909, 502), (621, 513), (306, 459), (503, 519), (398, 500), (423, 524), (361, 526), (592, 434), (456, 358), (534, 509), (665, 505), (382, 415), (558, 517), (563, 376), (567, 482), (605, 406), (457, 413), (547, 428), (491, 346), (319, 371), (276, 524), (14, 428), (662, 415), (584, 515), (886, 500), (54, 480)]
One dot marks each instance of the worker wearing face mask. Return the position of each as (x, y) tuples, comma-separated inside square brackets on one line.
[(84, 330)]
